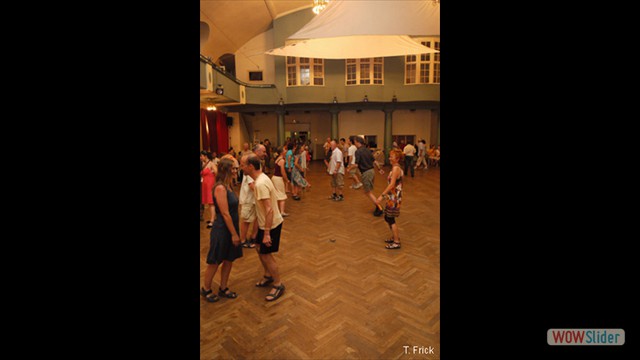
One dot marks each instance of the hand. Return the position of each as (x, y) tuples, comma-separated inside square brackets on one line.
[(381, 171), (266, 240), (236, 240)]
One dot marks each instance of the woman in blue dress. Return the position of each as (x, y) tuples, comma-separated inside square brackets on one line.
[(224, 245)]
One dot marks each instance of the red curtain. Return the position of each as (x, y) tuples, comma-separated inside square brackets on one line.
[(211, 121), (222, 133), (215, 133), (203, 129)]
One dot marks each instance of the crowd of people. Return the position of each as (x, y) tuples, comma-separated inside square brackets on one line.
[(254, 218)]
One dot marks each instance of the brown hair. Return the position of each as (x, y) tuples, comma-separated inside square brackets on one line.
[(225, 175)]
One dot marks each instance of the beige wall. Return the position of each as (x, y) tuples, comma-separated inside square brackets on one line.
[(264, 126), (237, 132), (251, 57), (369, 122), (434, 129), (421, 123), (418, 123), (319, 123)]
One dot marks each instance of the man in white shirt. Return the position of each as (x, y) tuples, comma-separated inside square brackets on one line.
[(248, 210), (336, 170), (422, 154), (409, 153), (352, 168), (269, 224)]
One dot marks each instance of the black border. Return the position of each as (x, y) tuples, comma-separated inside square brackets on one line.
[(532, 237), (125, 156)]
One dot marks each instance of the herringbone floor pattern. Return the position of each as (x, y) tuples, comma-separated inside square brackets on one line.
[(346, 296)]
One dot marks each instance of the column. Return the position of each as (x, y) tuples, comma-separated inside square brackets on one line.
[(334, 124), (280, 128), (388, 138)]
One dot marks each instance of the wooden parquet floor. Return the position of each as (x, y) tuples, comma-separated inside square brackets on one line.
[(345, 299)]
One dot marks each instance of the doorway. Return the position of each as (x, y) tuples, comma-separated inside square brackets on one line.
[(298, 132)]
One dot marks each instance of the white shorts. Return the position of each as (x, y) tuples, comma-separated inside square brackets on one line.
[(248, 212)]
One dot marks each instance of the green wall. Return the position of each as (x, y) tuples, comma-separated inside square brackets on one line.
[(334, 77)]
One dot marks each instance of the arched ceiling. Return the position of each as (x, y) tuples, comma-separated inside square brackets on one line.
[(234, 22)]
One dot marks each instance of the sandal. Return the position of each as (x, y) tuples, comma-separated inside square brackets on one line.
[(264, 283), (209, 295), (277, 294), (393, 245), (248, 244), (227, 293)]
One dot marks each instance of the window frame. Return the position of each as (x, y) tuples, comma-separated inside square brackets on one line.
[(256, 72), (292, 62), (359, 64), (429, 60), (404, 138)]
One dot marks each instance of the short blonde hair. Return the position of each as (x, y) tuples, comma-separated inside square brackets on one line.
[(398, 153)]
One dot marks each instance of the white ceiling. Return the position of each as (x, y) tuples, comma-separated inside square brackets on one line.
[(234, 22)]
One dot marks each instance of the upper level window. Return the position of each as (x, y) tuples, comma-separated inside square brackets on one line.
[(365, 71), (305, 71), (424, 68)]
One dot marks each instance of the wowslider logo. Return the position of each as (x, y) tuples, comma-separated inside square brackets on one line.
[(585, 336)]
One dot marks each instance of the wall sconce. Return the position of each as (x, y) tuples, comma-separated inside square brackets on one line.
[(394, 98), (280, 102), (366, 99), (220, 90), (211, 108), (335, 100)]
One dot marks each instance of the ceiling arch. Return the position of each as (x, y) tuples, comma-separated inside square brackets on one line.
[(233, 23)]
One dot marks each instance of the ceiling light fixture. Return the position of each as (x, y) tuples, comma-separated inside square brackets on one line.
[(211, 108), (319, 5)]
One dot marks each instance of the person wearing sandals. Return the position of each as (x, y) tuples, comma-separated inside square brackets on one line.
[(279, 180), (393, 195), (247, 211), (269, 224), (299, 182), (208, 175), (224, 245)]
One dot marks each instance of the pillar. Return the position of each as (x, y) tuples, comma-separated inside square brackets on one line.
[(280, 128)]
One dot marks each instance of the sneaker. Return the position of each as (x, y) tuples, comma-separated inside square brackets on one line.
[(378, 212), (358, 186), (338, 198), (332, 197)]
